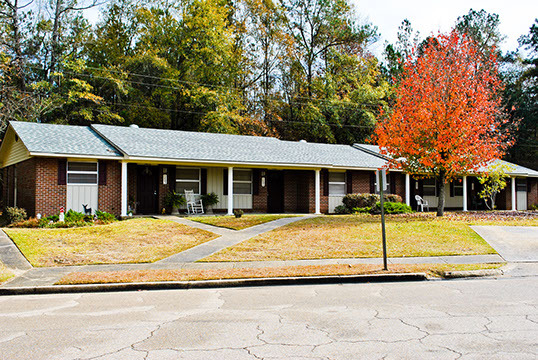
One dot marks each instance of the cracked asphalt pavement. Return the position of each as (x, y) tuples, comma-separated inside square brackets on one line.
[(467, 319)]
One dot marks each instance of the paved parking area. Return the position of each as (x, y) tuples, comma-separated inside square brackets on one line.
[(513, 243)]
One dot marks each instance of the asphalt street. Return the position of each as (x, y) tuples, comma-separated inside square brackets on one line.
[(468, 319)]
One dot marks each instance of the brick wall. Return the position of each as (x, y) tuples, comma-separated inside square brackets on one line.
[(532, 195), (259, 202), (110, 194), (49, 195), (361, 181), (25, 185)]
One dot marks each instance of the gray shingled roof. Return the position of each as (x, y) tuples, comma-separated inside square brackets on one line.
[(184, 145), (516, 169), (62, 139)]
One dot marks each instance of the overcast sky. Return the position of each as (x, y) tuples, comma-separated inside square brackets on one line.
[(430, 16)]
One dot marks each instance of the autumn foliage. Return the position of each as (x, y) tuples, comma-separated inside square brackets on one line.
[(447, 120)]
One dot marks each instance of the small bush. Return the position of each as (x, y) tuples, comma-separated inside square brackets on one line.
[(361, 201), (30, 223), (393, 198), (341, 209), (392, 208), (364, 210), (53, 218), (534, 207), (104, 216), (13, 215), (73, 216), (210, 199), (238, 213)]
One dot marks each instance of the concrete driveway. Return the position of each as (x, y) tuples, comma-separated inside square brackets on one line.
[(513, 243)]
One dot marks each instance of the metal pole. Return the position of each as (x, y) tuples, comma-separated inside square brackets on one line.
[(381, 187)]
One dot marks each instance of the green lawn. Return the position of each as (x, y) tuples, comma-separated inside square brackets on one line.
[(130, 241), (352, 236), (5, 274), (231, 222)]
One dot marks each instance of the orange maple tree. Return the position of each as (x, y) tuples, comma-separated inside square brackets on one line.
[(447, 120)]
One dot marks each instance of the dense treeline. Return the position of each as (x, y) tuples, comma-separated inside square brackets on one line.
[(296, 69)]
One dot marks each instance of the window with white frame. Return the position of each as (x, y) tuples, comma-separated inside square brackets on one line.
[(188, 179), (458, 187), (82, 173), (337, 183), (429, 187), (242, 182)]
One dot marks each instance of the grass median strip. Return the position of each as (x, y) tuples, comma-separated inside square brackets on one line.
[(130, 241), (5, 273), (231, 222), (111, 277), (355, 236)]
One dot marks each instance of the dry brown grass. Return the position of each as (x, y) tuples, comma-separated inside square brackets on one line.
[(242, 273), (5, 273), (130, 241), (352, 236), (231, 222)]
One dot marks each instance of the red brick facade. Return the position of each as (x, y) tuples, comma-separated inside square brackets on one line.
[(110, 194), (49, 195), (38, 190)]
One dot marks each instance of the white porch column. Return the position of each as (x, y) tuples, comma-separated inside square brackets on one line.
[(230, 190), (513, 181), (407, 190), (465, 193), (123, 189), (318, 189)]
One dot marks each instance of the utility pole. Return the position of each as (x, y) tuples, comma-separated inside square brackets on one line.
[(381, 181)]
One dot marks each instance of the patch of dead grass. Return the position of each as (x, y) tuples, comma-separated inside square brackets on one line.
[(130, 241), (231, 222), (355, 236), (242, 273)]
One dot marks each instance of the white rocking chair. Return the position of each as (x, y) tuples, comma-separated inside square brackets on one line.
[(421, 203), (193, 206)]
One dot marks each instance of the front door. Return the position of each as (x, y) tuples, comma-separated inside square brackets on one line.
[(147, 186), (275, 192), (521, 197)]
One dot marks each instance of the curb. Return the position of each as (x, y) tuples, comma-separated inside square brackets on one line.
[(472, 273), (208, 284)]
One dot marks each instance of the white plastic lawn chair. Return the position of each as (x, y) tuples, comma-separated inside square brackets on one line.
[(421, 203), (193, 206)]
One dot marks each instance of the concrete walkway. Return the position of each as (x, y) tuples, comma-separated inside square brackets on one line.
[(513, 243), (228, 237), (11, 256)]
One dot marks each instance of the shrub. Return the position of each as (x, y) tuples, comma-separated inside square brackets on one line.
[(53, 218), (341, 209), (393, 198), (173, 199), (534, 207), (352, 201), (104, 216), (30, 223), (364, 210), (238, 213), (73, 216), (361, 201), (392, 208), (210, 199), (12, 215)]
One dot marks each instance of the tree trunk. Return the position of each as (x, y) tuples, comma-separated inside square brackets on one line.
[(441, 197)]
